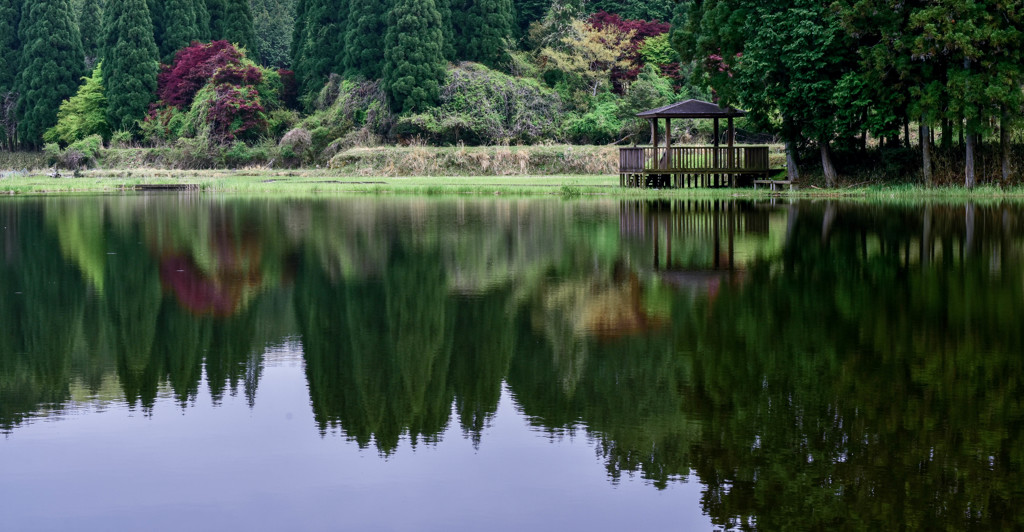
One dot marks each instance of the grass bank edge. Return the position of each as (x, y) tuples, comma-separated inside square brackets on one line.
[(290, 183)]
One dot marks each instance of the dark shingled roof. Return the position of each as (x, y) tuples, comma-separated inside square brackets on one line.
[(691, 109)]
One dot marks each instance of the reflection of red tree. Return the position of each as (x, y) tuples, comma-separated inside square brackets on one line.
[(223, 291), (196, 292)]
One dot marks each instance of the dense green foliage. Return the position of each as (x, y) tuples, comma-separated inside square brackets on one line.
[(237, 25), (483, 29), (273, 21), (830, 73), (413, 55), (83, 114), (129, 64), (319, 51), (482, 106), (52, 62), (180, 27), (90, 23), (10, 56), (364, 28)]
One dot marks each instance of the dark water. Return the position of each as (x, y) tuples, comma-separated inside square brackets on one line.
[(184, 363)]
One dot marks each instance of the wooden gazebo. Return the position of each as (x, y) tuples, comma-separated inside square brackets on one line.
[(683, 166)]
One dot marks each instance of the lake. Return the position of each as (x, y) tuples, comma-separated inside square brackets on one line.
[(192, 362)]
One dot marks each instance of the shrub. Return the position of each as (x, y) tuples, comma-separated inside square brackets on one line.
[(239, 154), (599, 126), (83, 114), (191, 69), (483, 106), (121, 139), (295, 145), (280, 121), (236, 113)]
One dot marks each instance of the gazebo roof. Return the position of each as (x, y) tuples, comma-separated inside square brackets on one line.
[(691, 109)]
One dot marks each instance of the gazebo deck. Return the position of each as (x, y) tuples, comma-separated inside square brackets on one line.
[(664, 165), (681, 166)]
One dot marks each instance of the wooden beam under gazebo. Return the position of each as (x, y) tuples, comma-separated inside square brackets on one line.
[(667, 166)]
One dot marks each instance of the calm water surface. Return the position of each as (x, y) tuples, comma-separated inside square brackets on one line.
[(181, 362)]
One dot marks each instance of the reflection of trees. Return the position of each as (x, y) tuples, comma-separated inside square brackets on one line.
[(377, 351), (41, 308), (866, 375)]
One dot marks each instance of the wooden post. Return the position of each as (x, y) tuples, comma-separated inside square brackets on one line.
[(731, 134), (654, 141), (668, 143), (714, 156)]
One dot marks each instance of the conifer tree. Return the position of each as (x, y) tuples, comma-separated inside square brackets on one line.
[(156, 15), (321, 52), (202, 20), (237, 25), (215, 12), (298, 32), (90, 23), (444, 8), (413, 60), (129, 62), (179, 27), (52, 63), (10, 47), (10, 51), (364, 37), (485, 30)]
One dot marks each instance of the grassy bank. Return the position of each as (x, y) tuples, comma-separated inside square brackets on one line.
[(326, 182)]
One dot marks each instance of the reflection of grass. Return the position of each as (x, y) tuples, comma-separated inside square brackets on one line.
[(323, 183)]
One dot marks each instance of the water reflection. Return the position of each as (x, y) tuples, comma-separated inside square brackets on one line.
[(813, 365)]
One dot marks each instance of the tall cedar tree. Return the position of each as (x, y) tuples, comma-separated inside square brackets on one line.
[(156, 14), (215, 12), (272, 24), (414, 64), (179, 25), (129, 62), (202, 20), (10, 51), (90, 23), (298, 32), (444, 8), (10, 47), (52, 64), (321, 52), (364, 37), (483, 29), (237, 25)]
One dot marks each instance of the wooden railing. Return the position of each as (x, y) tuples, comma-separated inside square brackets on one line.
[(695, 159)]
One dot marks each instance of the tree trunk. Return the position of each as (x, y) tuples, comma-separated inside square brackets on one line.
[(906, 133), (969, 166), (947, 134), (1004, 144), (926, 155), (792, 170), (826, 165)]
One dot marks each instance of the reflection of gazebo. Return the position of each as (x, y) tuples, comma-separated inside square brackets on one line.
[(681, 166)]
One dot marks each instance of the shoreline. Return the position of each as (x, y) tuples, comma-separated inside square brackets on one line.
[(326, 182)]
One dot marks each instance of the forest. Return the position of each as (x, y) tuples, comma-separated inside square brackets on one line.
[(920, 91)]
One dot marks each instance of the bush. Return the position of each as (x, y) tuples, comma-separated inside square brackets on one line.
[(483, 106), (599, 126), (121, 139), (83, 114), (193, 67), (295, 146), (239, 154)]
